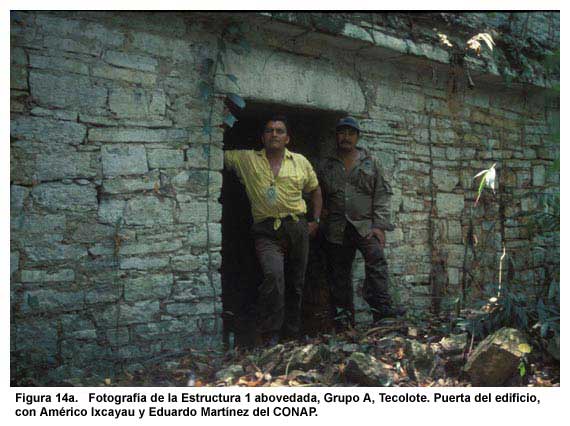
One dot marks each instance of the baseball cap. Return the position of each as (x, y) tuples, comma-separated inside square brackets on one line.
[(348, 121)]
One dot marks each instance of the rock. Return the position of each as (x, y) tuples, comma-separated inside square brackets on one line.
[(422, 358), (306, 357), (271, 357), (496, 358), (366, 370), (230, 373)]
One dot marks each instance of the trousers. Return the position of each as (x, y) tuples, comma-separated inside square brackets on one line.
[(283, 256)]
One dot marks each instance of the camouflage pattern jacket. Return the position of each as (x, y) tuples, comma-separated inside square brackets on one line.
[(362, 197)]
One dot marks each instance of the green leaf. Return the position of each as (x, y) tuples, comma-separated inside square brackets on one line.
[(237, 100), (205, 90), (230, 119), (522, 369)]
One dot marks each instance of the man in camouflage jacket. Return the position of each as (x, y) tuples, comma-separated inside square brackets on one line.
[(356, 214)]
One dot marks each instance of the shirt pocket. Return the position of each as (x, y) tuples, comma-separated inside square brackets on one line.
[(365, 180)]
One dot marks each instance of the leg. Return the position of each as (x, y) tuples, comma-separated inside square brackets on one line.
[(295, 268), (339, 268), (376, 276), (270, 299)]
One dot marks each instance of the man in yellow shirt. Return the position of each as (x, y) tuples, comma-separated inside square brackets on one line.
[(274, 180)]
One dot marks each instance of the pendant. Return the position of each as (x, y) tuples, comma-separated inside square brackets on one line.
[(272, 194)]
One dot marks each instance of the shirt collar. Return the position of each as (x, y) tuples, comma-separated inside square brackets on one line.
[(262, 153)]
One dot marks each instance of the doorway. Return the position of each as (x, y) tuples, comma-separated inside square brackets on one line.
[(312, 134)]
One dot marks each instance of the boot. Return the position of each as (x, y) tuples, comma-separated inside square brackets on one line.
[(387, 312)]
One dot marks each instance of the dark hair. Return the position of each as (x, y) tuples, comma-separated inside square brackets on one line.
[(281, 118)]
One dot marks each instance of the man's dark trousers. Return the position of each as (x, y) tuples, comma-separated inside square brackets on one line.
[(283, 255), (339, 267)]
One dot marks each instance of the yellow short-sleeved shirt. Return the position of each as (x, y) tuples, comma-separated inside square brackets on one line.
[(273, 197)]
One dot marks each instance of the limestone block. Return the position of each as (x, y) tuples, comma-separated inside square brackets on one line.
[(104, 292), (142, 247), (137, 135), (123, 160), (61, 196), (454, 231), (58, 63), (36, 223), (454, 275), (162, 46), (538, 175), (130, 60), (18, 196), (398, 96), (154, 330), (38, 337), (51, 301), (111, 210), (80, 29), (66, 91), (165, 158), (76, 326), (40, 276), (445, 180), (18, 78), (149, 210), (46, 130), (65, 165), (196, 182), (197, 155), (121, 185), (197, 308), (54, 251), (118, 336), (135, 313), (148, 287), (197, 212), (18, 56), (449, 204), (144, 263), (366, 370), (14, 262), (137, 103), (123, 74), (75, 45), (189, 262), (496, 358), (57, 114)]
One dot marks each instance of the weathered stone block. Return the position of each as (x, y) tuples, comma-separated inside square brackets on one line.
[(111, 210), (58, 63), (60, 196), (123, 160), (45, 276), (200, 212), (137, 135), (18, 56), (148, 287), (73, 165), (149, 210), (130, 60), (72, 45), (198, 182), (155, 330), (14, 262), (18, 78), (51, 301), (123, 74), (445, 180), (165, 158), (139, 312), (196, 308), (65, 91), (449, 204), (142, 247), (144, 263), (46, 130), (538, 175), (79, 28), (54, 251), (118, 336), (137, 103), (121, 185), (57, 114), (366, 370), (18, 196), (38, 337)]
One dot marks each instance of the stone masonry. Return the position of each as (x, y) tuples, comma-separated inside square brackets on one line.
[(115, 213)]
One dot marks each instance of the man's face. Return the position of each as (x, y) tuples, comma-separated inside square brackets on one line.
[(275, 136), (346, 138)]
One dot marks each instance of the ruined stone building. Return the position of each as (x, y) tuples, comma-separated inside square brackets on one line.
[(125, 230)]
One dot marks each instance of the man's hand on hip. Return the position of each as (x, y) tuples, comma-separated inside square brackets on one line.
[(313, 228), (378, 234)]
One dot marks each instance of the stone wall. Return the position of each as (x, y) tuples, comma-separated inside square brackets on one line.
[(115, 218)]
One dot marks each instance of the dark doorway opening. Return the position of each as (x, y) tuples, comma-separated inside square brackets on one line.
[(312, 134)]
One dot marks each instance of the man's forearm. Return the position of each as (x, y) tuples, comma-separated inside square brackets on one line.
[(317, 202)]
